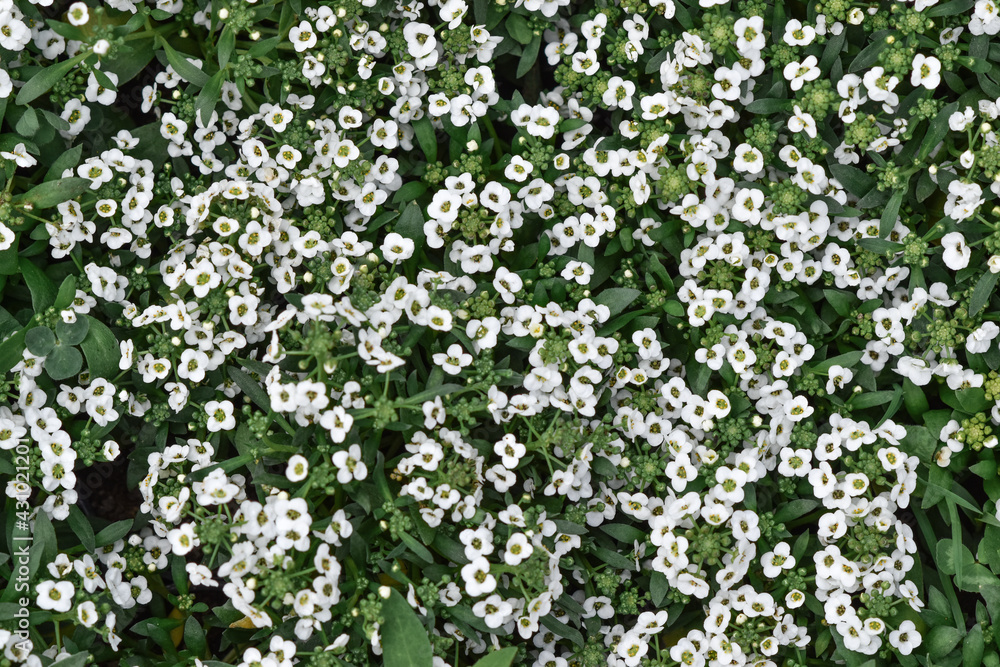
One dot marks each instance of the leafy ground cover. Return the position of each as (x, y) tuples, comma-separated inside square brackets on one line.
[(550, 332)]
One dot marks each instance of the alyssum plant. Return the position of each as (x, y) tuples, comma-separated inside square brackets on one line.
[(547, 333)]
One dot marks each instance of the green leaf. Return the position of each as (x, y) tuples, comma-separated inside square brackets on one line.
[(563, 630), (404, 639), (130, 60), (937, 131), (842, 302), (409, 192), (502, 658), (44, 537), (419, 550), (227, 44), (873, 199), (653, 64), (251, 388), (914, 399), (81, 526), (53, 193), (658, 588), (72, 334), (847, 360), (411, 225), (942, 640), (113, 533), (66, 294), (11, 352), (40, 341), (209, 96), (617, 298), (880, 246), (78, 660), (614, 558), (39, 84), (43, 292), (424, 132), (528, 56), (184, 67), (925, 185), (194, 636), (480, 9), (63, 362), (518, 29), (795, 509), (855, 181), (624, 533), (972, 647), (890, 214), (101, 349), (831, 52), (263, 47), (698, 375), (982, 292), (869, 54), (870, 399), (767, 107), (953, 8), (65, 161), (27, 125)]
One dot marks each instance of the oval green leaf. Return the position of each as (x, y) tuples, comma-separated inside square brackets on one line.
[(404, 639)]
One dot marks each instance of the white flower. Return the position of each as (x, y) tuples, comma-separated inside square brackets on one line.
[(906, 638), (477, 577), (493, 610), (182, 539), (220, 416), (77, 115), (396, 248), (619, 93), (55, 596), (96, 92), (518, 549), (510, 450), (778, 560), (839, 377), (802, 122), (19, 154), (454, 360), (798, 73), (956, 252), (302, 36), (748, 159), (926, 71), (750, 34), (960, 120), (298, 468), (632, 647), (78, 14), (349, 465), (797, 34)]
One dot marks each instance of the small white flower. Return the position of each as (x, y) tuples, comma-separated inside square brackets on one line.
[(55, 596), (926, 71), (798, 73), (397, 248), (220, 416), (78, 14), (956, 253), (298, 468), (349, 465), (302, 36)]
